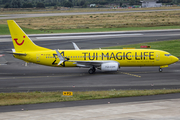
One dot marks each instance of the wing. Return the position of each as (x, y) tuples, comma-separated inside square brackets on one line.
[(94, 63), (90, 63)]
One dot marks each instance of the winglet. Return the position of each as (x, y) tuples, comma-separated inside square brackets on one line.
[(75, 46), (60, 57)]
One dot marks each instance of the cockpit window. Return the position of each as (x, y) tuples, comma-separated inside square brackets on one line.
[(167, 54)]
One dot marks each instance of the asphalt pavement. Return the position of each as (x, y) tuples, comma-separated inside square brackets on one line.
[(15, 76)]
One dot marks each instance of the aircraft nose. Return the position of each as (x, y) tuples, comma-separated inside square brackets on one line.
[(174, 59)]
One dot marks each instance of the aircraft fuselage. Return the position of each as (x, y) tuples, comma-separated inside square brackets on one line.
[(125, 57)]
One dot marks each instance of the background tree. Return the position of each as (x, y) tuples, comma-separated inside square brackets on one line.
[(16, 4), (7, 5), (40, 5), (134, 2), (71, 3), (6, 1), (83, 3), (27, 5), (120, 4), (68, 4)]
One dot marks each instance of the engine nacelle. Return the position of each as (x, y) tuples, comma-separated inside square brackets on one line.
[(109, 66)]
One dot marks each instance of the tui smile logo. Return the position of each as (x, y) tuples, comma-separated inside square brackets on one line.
[(15, 39)]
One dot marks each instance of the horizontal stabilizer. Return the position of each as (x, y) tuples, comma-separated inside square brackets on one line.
[(10, 52), (19, 53)]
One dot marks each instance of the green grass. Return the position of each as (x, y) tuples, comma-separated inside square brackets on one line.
[(4, 30), (67, 10), (46, 97), (113, 29), (172, 46)]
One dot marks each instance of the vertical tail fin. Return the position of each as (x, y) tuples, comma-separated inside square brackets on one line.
[(21, 42)]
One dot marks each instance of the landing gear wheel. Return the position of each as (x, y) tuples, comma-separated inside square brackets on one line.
[(92, 70), (160, 69)]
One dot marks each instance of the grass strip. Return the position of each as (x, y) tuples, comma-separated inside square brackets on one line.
[(108, 20), (4, 30), (47, 97), (171, 46), (68, 10)]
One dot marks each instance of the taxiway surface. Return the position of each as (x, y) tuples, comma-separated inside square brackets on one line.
[(16, 77)]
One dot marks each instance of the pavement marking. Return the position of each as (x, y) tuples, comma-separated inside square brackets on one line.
[(23, 76), (88, 36), (3, 64), (176, 70), (30, 77), (162, 35), (5, 73), (130, 74)]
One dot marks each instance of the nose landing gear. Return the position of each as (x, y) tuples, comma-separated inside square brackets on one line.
[(160, 69)]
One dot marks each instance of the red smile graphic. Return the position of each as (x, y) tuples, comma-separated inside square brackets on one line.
[(17, 42)]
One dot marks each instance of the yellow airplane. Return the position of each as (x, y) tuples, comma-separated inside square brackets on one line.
[(103, 59)]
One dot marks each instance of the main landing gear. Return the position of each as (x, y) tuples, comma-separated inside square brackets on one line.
[(92, 70)]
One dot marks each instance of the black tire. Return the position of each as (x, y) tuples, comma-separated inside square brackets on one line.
[(160, 69), (91, 71)]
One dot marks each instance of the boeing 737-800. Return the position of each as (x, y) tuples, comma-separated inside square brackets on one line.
[(103, 59)]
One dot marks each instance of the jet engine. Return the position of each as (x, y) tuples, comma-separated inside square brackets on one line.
[(110, 66)]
